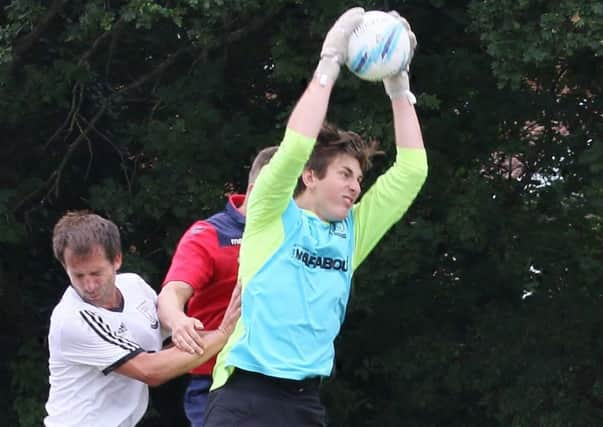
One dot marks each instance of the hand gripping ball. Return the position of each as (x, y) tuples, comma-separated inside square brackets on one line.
[(379, 47)]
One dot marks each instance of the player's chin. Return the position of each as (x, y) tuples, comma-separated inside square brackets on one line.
[(339, 214), (90, 299)]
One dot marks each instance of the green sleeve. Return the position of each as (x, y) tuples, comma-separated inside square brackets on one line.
[(274, 186), (387, 200), (269, 198)]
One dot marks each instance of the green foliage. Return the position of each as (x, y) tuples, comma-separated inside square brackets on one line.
[(28, 387), (480, 308), (526, 38), (11, 231)]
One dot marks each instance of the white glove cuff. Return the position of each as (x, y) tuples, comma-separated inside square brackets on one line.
[(405, 93), (398, 86), (327, 70)]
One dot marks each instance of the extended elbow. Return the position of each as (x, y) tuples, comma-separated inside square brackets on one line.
[(153, 377), (155, 381)]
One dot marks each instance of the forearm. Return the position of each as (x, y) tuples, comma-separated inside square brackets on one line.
[(309, 113), (406, 124), (311, 109), (173, 362), (170, 305), (156, 368)]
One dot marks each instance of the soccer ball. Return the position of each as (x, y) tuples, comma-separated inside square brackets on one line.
[(379, 47)]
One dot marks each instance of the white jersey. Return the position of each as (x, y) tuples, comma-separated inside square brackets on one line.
[(87, 344)]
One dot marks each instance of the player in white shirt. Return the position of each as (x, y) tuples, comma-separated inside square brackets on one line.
[(105, 338)]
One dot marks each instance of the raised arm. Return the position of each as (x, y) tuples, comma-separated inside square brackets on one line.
[(406, 124), (389, 198), (274, 187), (311, 109)]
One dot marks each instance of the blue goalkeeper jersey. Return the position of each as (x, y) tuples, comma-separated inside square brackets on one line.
[(296, 269)]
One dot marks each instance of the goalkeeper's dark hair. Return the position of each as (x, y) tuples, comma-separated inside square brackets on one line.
[(332, 142)]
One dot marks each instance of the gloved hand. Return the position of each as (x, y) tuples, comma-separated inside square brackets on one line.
[(397, 86), (335, 46)]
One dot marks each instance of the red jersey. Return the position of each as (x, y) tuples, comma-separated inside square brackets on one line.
[(207, 258)]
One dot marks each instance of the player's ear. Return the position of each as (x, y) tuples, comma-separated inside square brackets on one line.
[(249, 187), (309, 178), (117, 261)]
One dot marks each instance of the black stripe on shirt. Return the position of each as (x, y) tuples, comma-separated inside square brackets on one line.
[(121, 361), (104, 331)]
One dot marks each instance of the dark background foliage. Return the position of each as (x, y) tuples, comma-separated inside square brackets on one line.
[(480, 308)]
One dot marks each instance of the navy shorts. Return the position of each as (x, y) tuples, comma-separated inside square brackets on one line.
[(195, 399)]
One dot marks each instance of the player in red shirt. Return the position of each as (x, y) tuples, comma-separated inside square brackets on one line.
[(203, 274)]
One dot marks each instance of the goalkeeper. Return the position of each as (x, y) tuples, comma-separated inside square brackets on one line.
[(305, 235)]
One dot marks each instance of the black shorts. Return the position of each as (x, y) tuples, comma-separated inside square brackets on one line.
[(249, 399)]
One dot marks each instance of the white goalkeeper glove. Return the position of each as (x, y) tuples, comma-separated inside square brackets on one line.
[(335, 46), (397, 86)]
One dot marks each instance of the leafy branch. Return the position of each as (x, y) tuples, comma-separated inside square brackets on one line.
[(28, 41)]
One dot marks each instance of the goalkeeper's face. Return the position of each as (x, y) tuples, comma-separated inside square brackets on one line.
[(333, 195)]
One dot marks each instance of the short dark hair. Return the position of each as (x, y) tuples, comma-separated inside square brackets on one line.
[(332, 142), (261, 160), (80, 231)]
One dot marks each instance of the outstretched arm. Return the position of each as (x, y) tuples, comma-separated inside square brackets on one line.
[(406, 124), (156, 368), (275, 185), (311, 109), (389, 198)]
